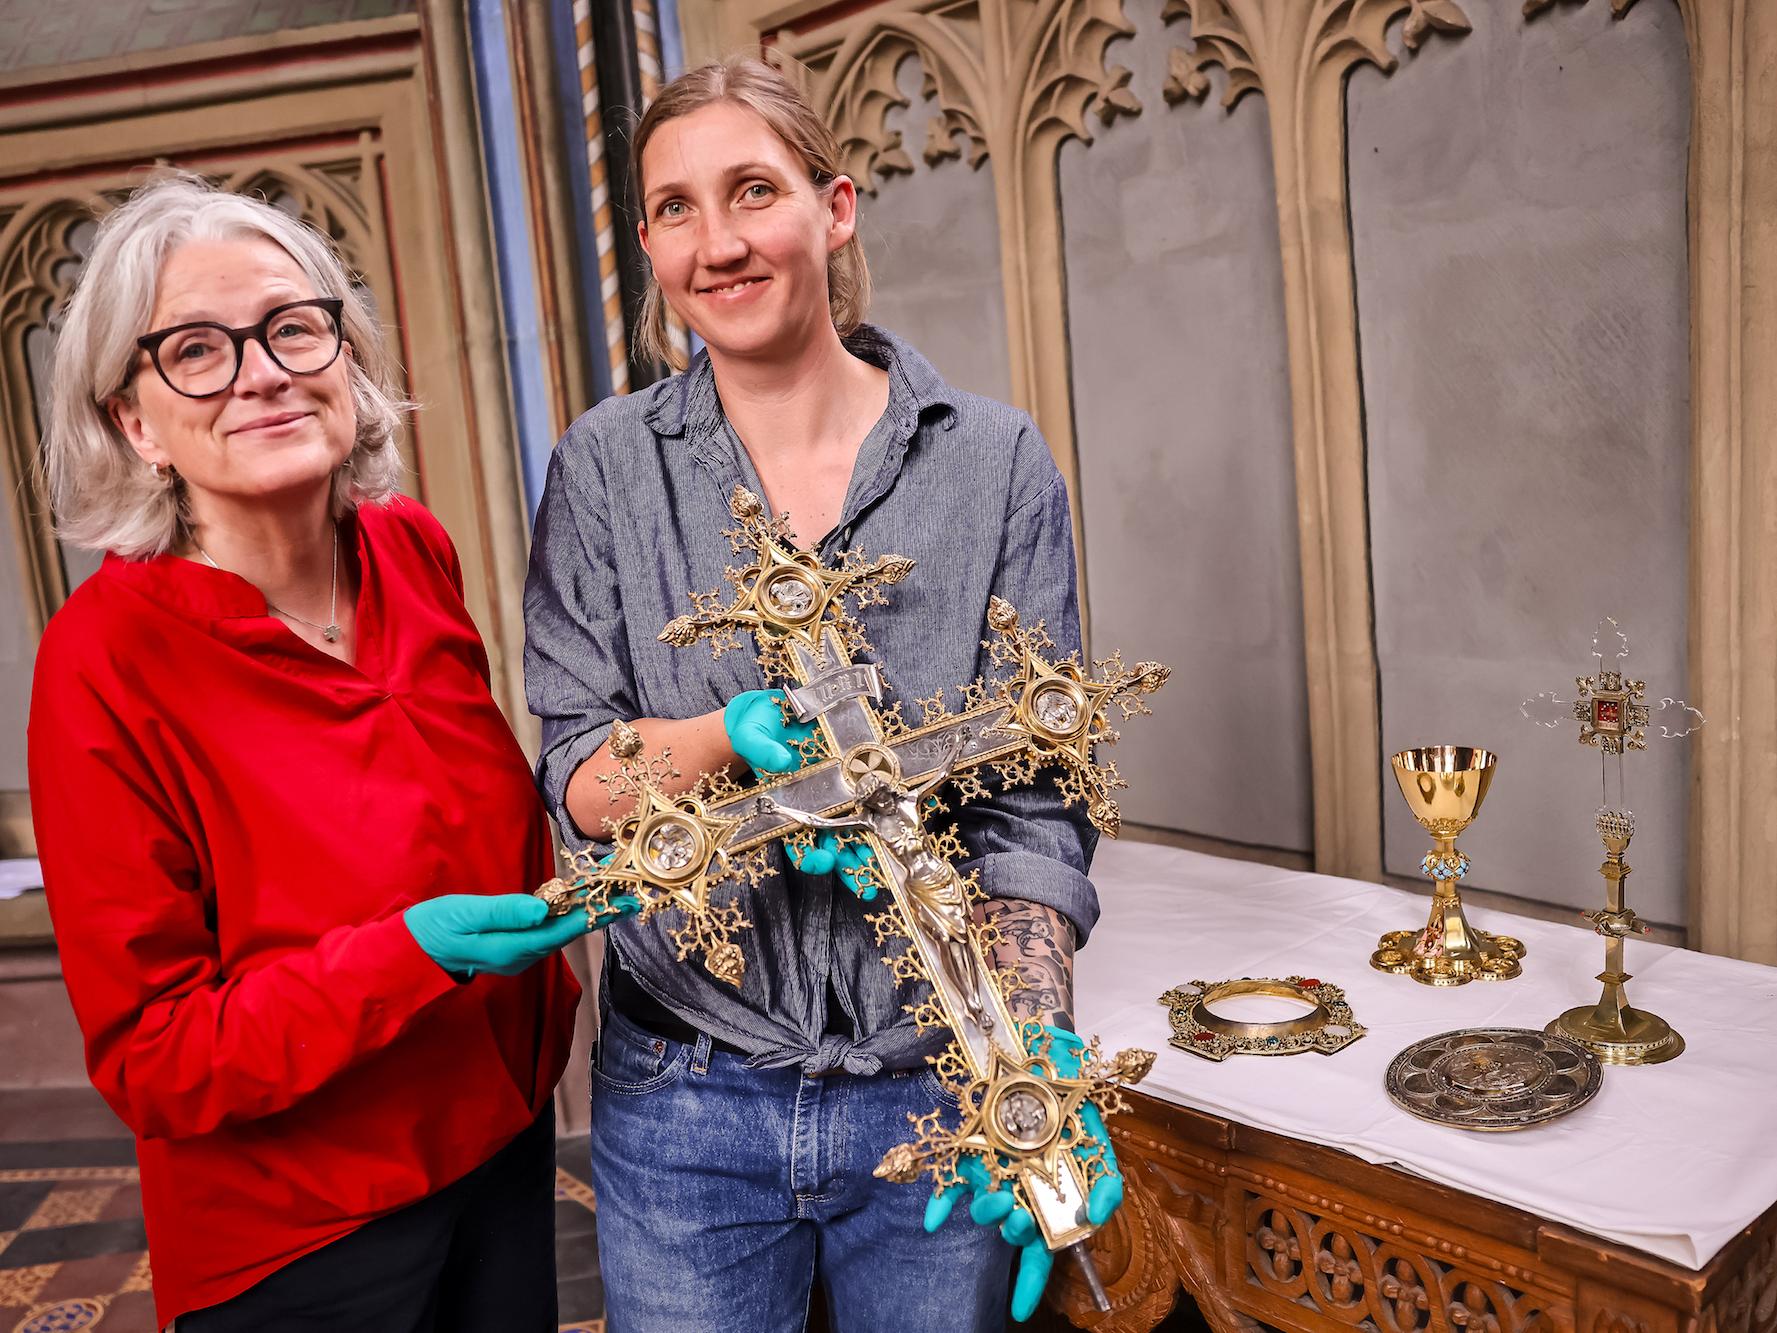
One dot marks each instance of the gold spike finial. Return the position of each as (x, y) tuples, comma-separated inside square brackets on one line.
[(626, 741)]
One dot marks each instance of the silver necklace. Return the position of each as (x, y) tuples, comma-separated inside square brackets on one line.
[(330, 631)]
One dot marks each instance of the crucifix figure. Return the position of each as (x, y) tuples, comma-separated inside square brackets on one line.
[(933, 888), (870, 774)]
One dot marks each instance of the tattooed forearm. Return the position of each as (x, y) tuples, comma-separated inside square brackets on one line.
[(1039, 943)]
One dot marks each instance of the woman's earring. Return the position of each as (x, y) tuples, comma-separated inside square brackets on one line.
[(155, 468)]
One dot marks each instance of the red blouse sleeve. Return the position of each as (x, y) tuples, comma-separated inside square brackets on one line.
[(174, 1045)]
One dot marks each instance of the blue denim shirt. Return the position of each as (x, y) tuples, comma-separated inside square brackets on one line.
[(631, 523)]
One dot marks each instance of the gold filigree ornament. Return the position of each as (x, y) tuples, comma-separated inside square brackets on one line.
[(1064, 711), (1610, 711), (783, 595), (1328, 1026), (872, 779), (672, 852), (1021, 1119)]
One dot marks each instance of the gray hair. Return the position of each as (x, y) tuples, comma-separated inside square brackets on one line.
[(104, 497)]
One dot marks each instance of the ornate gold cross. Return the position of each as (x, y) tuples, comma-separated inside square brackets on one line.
[(873, 777), (1614, 719)]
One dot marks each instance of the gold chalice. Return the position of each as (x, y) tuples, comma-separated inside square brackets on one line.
[(1444, 786)]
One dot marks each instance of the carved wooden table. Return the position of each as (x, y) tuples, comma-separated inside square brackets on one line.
[(1261, 1229), (1290, 1192)]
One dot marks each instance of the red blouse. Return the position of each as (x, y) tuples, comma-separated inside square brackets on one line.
[(230, 825)]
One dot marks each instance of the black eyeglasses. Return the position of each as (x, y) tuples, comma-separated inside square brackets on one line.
[(204, 359)]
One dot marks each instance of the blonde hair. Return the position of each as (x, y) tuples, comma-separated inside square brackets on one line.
[(102, 493), (751, 83)]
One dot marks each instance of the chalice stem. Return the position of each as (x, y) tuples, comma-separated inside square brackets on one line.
[(1447, 929)]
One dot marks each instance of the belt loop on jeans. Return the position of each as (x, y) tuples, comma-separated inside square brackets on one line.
[(700, 1054)]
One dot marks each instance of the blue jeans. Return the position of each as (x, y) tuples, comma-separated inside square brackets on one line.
[(724, 1192)]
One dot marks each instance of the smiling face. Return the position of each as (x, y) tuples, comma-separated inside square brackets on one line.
[(738, 234), (272, 438)]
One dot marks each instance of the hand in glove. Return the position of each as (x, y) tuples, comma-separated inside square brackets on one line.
[(502, 933), (758, 733), (993, 1205)]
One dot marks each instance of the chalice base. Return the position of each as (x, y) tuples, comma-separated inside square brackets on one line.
[(1449, 951), (1619, 1035)]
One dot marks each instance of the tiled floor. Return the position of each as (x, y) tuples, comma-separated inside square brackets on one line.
[(72, 1252)]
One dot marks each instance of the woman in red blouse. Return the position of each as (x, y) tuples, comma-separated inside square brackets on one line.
[(284, 829)]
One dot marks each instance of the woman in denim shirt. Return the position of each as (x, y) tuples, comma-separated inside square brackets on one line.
[(735, 1129)]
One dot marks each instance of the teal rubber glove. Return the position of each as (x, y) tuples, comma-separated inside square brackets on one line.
[(502, 933), (758, 733), (850, 860), (995, 1206)]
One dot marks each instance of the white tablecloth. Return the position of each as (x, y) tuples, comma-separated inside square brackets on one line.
[(1672, 1159)]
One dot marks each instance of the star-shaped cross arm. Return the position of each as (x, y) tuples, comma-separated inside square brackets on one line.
[(671, 852), (1022, 1119), (783, 595), (873, 776), (1064, 713)]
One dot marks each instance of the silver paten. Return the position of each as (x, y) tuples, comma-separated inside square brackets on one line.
[(1494, 1078)]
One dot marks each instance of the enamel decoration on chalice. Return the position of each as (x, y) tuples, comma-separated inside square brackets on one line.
[(876, 778)]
